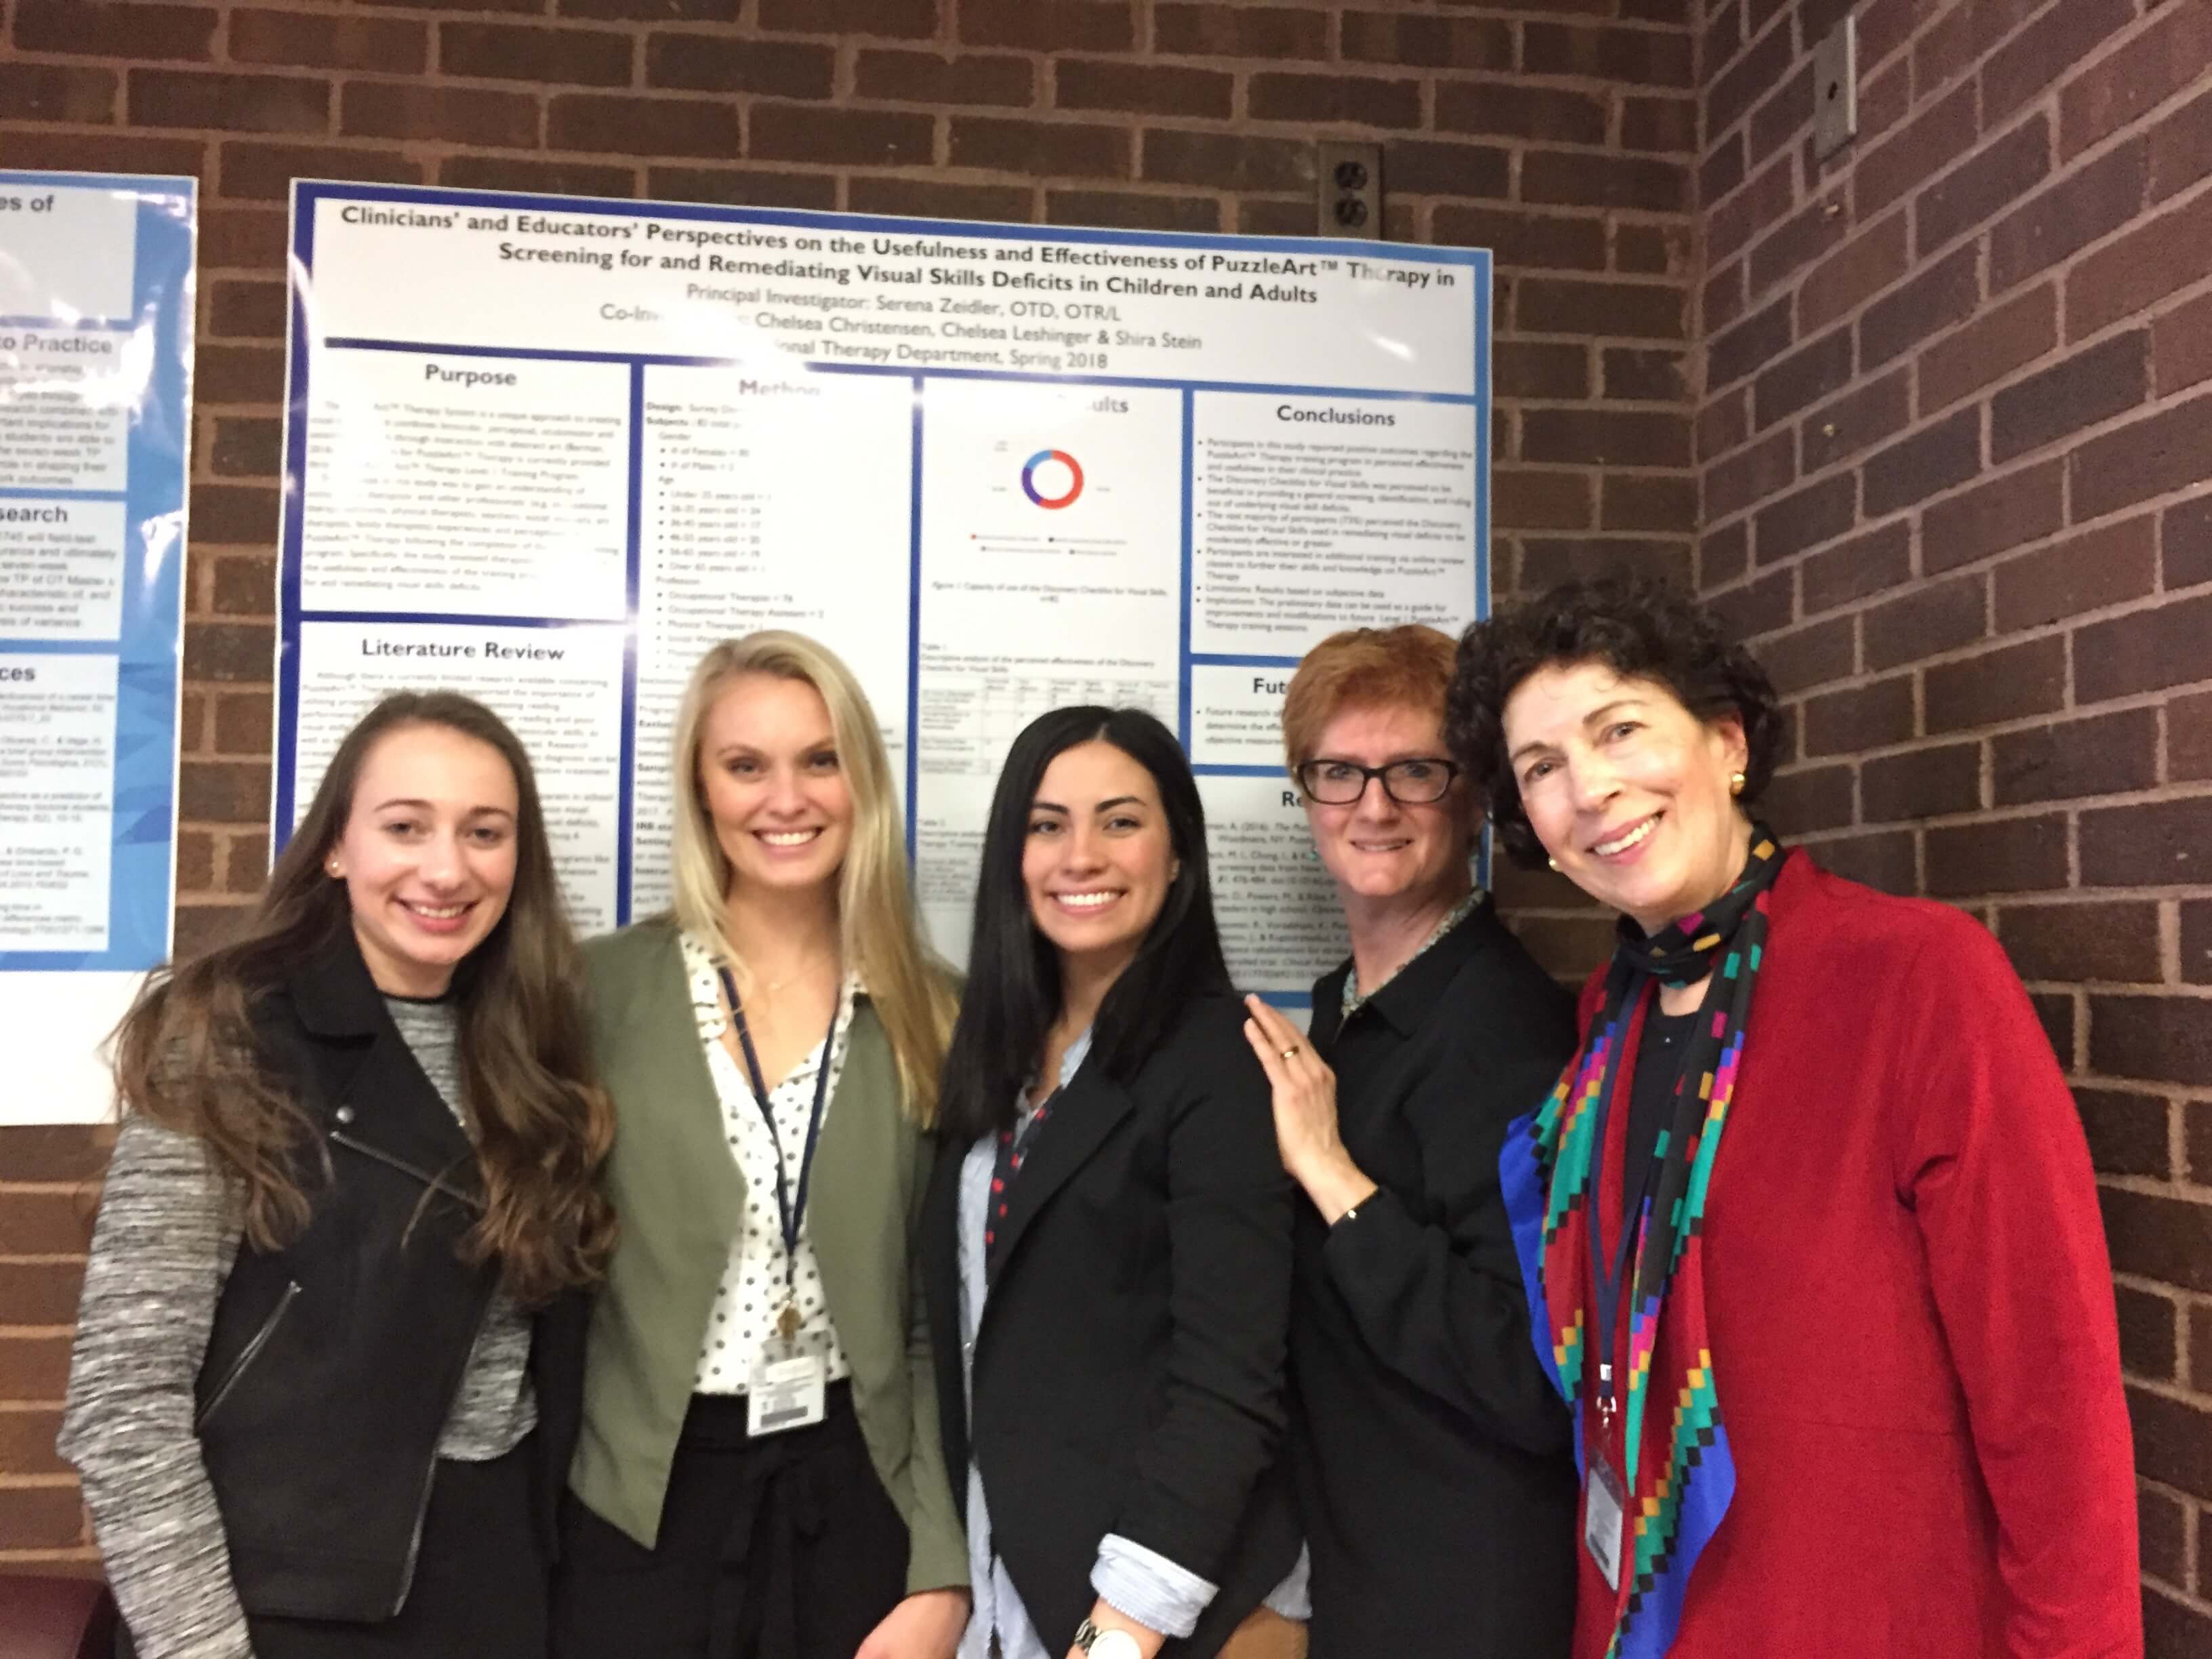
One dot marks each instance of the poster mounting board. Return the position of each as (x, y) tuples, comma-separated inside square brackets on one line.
[(546, 450)]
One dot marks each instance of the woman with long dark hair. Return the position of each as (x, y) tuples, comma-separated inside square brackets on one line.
[(329, 1358), (1809, 1226), (1108, 1242)]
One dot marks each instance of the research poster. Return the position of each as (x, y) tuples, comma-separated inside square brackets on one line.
[(547, 449), (95, 398)]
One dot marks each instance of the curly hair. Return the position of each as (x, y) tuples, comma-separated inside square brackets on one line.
[(1637, 626)]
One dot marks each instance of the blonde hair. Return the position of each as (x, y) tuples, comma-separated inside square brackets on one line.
[(880, 935), (1409, 666)]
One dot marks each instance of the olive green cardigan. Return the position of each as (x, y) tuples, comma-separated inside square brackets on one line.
[(680, 1199)]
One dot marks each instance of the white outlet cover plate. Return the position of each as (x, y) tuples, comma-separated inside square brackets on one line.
[(1836, 89)]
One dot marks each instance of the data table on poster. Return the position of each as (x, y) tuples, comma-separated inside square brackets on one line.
[(96, 354), (548, 450)]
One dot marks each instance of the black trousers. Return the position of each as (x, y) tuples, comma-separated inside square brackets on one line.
[(480, 1585), (783, 1547)]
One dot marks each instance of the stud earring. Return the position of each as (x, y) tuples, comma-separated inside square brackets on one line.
[(332, 866), (1554, 863), (1736, 783)]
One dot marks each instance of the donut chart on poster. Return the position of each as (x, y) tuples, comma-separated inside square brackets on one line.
[(1065, 494), (997, 467)]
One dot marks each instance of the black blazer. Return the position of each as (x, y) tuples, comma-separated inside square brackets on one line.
[(1128, 1370), (334, 1362), (1432, 1452)]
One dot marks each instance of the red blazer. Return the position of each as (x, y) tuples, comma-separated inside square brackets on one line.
[(1911, 1315)]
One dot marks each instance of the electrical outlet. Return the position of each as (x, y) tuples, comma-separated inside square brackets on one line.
[(1350, 179)]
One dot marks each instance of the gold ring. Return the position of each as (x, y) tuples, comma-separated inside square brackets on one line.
[(1288, 1052)]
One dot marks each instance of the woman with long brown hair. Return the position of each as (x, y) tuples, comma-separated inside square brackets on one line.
[(329, 1358)]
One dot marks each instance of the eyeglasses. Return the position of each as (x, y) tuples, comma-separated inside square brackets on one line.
[(1408, 783)]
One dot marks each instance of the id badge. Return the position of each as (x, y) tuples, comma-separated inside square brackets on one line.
[(786, 1394), (1604, 1498)]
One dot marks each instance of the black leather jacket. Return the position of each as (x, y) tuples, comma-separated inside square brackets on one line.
[(334, 1362)]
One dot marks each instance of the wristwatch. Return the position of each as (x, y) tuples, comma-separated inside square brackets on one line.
[(1106, 1644)]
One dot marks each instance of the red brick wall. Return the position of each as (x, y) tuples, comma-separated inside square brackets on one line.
[(1955, 430), (1563, 135)]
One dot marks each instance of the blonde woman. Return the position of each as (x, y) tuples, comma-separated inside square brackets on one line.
[(760, 1474)]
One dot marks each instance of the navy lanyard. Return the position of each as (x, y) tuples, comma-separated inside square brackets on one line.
[(1606, 1288), (790, 1208)]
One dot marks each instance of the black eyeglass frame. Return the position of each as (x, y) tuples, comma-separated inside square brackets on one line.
[(1368, 773)]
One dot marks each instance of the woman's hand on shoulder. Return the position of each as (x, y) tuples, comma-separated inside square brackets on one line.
[(928, 1625), (1305, 1113)]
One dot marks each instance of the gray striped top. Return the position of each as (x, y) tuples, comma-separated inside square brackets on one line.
[(167, 1234)]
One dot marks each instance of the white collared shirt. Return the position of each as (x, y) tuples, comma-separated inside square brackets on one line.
[(752, 1291)]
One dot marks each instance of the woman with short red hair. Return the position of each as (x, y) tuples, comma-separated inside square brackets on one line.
[(1431, 1456)]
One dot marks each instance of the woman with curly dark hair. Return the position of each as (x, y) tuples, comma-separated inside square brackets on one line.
[(329, 1364), (1808, 1225)]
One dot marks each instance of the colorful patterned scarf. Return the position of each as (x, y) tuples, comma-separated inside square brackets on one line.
[(1680, 1474)]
